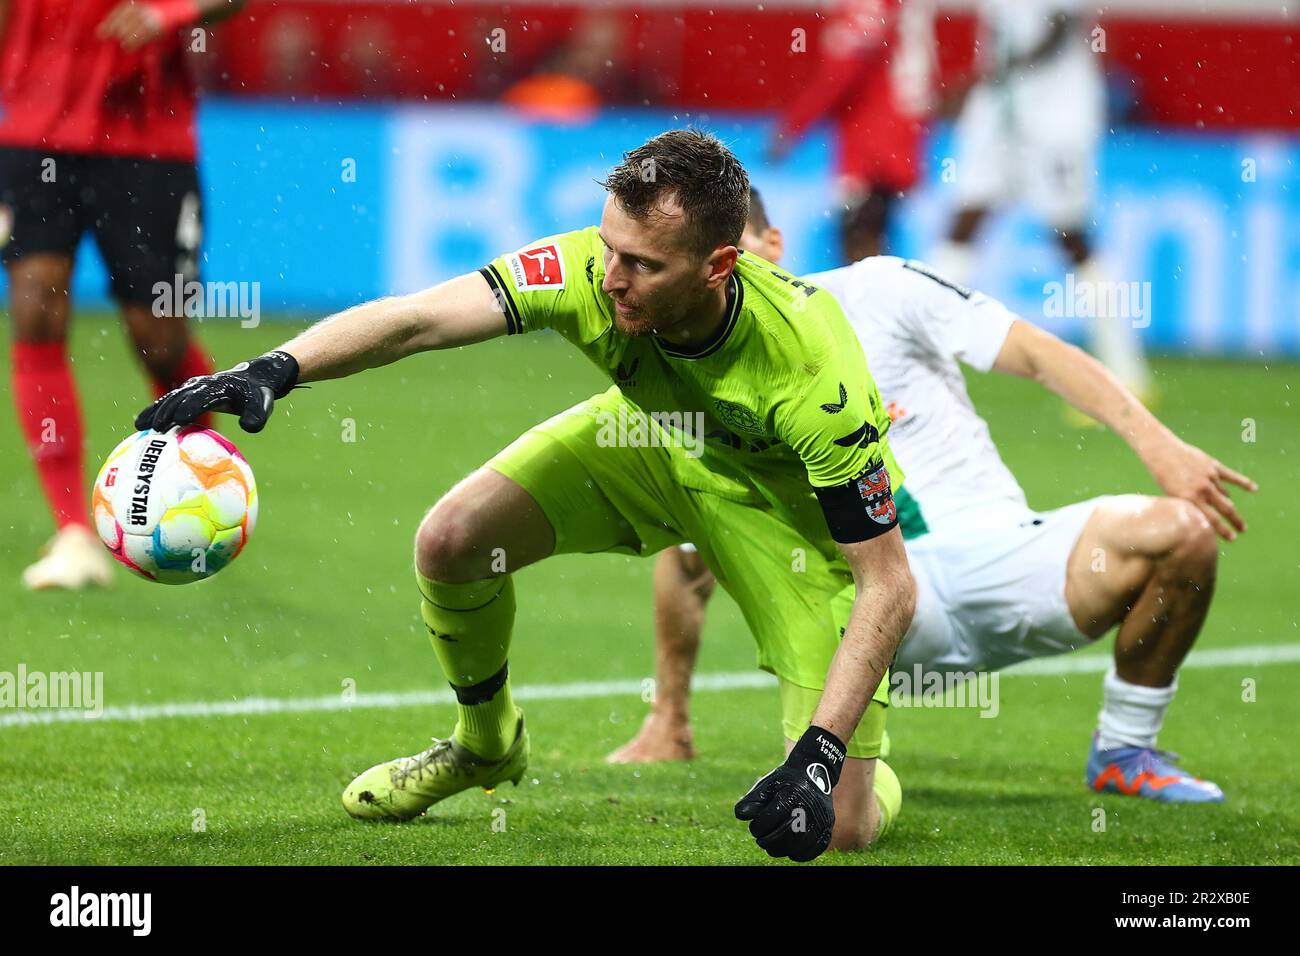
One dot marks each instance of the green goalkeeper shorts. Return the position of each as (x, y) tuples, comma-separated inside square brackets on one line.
[(776, 560)]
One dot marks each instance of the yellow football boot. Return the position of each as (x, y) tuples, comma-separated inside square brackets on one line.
[(404, 788)]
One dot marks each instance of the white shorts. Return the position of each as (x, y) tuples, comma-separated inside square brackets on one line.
[(991, 591), (1011, 149)]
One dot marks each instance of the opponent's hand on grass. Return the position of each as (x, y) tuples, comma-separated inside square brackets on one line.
[(790, 811), (248, 390)]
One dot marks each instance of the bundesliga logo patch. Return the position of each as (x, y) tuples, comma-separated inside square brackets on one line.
[(538, 268), (873, 488)]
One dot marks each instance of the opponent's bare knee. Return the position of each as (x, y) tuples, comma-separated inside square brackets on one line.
[(1149, 529), (1193, 547)]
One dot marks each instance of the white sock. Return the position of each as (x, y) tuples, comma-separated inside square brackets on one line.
[(1113, 340), (1131, 715), (954, 261)]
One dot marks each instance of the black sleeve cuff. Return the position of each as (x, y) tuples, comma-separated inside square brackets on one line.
[(514, 324)]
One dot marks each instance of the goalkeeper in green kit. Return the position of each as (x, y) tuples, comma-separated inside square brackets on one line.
[(787, 492)]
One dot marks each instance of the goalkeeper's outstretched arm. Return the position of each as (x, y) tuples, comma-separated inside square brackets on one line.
[(461, 311)]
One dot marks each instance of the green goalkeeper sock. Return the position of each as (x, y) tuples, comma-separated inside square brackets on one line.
[(889, 796), (470, 625)]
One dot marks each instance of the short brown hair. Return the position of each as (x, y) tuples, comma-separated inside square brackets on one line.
[(758, 220), (710, 185)]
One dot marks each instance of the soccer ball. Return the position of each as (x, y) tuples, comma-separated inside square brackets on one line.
[(175, 507)]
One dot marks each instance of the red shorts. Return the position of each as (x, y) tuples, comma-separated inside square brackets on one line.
[(879, 146)]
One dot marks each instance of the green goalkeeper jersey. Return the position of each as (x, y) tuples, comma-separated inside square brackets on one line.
[(782, 391)]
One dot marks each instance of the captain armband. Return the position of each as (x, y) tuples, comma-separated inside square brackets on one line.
[(860, 509)]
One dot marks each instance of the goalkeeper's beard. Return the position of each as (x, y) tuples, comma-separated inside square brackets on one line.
[(637, 324), (665, 321)]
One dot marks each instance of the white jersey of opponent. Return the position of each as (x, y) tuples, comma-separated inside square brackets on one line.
[(916, 327), (990, 572), (1015, 28), (1059, 98), (1031, 133)]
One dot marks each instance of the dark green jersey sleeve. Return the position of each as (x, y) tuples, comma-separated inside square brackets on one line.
[(550, 284)]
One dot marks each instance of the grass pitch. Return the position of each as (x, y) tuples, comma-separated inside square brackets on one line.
[(323, 601)]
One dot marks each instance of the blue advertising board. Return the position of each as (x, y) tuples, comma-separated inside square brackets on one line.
[(328, 206)]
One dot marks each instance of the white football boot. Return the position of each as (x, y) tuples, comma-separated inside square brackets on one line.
[(74, 559)]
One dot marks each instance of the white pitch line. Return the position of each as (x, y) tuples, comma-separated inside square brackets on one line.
[(1224, 657), (1254, 656)]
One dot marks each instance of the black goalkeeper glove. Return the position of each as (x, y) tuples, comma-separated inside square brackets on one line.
[(790, 812), (248, 390)]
